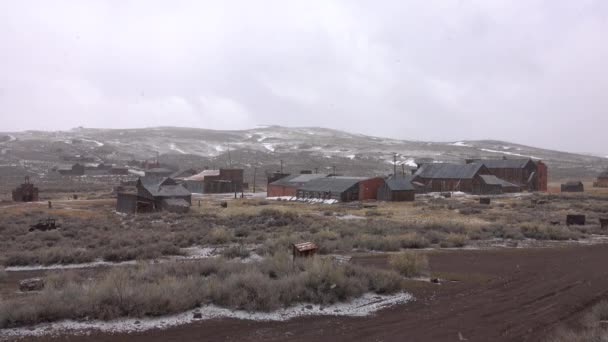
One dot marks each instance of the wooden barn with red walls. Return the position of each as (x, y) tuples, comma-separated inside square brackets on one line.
[(288, 186)]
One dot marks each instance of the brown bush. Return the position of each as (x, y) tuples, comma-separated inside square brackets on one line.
[(410, 264)]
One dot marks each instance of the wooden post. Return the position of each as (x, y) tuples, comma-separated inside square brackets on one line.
[(255, 171)]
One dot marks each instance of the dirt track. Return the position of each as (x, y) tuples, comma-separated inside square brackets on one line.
[(502, 295)]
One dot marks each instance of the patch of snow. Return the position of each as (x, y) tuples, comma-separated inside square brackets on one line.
[(410, 162), (508, 153), (173, 147), (219, 148), (11, 138), (268, 146), (351, 217), (98, 143), (461, 144), (506, 147), (137, 172), (350, 156), (365, 305), (262, 138), (97, 263)]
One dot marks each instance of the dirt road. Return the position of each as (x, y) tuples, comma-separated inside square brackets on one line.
[(500, 295)]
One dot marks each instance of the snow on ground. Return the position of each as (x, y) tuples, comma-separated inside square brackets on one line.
[(305, 200), (410, 162), (365, 305), (350, 156), (97, 263), (98, 143), (461, 144), (173, 147), (137, 172), (268, 146), (508, 153)]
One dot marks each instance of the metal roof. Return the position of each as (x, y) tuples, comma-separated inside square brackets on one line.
[(305, 246), (331, 184), (159, 170), (505, 163), (298, 180), (400, 184), (448, 171), (201, 175), (493, 180), (163, 187)]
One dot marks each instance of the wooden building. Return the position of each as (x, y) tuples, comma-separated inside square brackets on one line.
[(153, 194), (288, 186), (343, 189), (442, 177), (399, 189), (530, 175), (217, 181), (602, 180), (25, 192), (576, 186), (75, 170), (158, 172)]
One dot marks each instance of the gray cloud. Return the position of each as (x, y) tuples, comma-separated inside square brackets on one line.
[(533, 72)]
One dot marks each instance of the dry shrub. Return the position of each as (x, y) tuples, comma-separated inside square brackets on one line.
[(454, 240), (219, 235), (158, 289), (410, 264), (594, 327), (236, 252)]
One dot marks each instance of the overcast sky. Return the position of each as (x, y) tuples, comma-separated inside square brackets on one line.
[(528, 71)]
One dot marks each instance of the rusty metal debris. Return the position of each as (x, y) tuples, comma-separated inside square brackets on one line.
[(304, 249), (44, 225)]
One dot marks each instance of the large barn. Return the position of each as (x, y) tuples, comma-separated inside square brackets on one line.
[(528, 174), (343, 189), (288, 186), (454, 177)]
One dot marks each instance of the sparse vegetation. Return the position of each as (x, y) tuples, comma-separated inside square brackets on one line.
[(410, 264), (157, 289), (594, 327)]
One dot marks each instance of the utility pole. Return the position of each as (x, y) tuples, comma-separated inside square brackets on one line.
[(229, 158), (281, 166), (395, 165), (334, 169), (316, 170), (403, 170), (255, 171)]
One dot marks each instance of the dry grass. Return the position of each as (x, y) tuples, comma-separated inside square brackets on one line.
[(152, 290), (410, 264), (95, 232), (594, 327)]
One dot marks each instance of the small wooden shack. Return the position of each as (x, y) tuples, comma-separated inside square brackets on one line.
[(602, 180), (398, 189), (576, 186), (26, 192), (304, 249)]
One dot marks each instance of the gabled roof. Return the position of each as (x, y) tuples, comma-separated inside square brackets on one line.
[(159, 170), (298, 180), (163, 187), (493, 180), (201, 175), (183, 173), (505, 163), (448, 171), (331, 184), (400, 184)]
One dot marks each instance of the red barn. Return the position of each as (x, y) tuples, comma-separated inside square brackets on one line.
[(288, 186)]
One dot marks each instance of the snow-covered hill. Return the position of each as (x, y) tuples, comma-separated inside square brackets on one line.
[(264, 147)]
